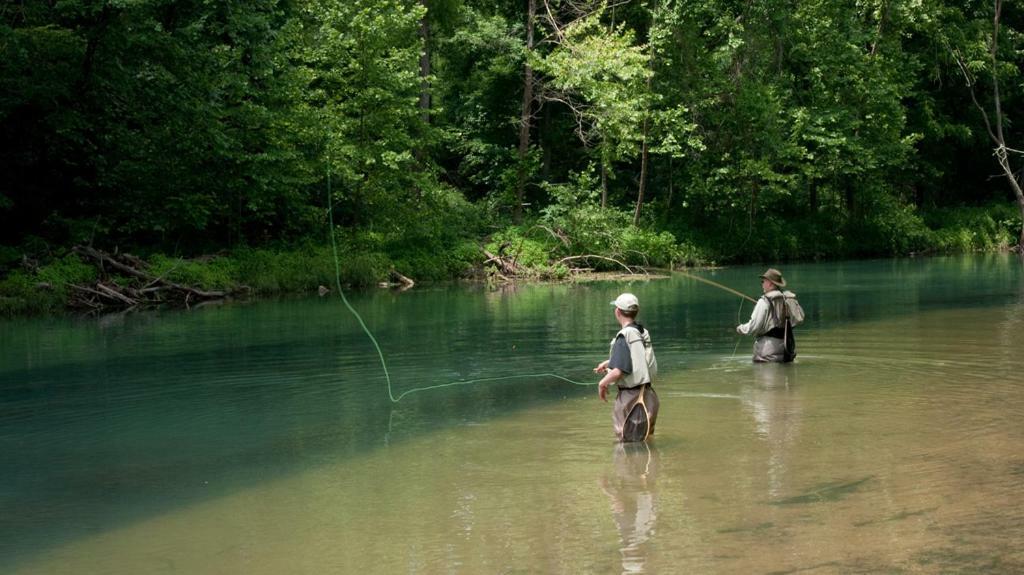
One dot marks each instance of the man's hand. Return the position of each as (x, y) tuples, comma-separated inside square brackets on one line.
[(601, 367), (609, 378)]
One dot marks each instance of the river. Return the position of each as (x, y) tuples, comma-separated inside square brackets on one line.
[(261, 438)]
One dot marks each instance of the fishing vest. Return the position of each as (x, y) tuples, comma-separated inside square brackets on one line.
[(782, 305), (641, 352)]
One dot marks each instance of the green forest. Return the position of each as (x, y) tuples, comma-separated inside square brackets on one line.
[(227, 143)]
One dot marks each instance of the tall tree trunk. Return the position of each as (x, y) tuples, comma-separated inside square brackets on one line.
[(879, 29), (524, 117), (545, 128), (644, 155), (643, 177), (424, 105), (1001, 149), (1004, 162), (604, 178), (425, 65)]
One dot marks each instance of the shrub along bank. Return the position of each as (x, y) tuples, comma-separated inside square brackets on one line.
[(556, 246)]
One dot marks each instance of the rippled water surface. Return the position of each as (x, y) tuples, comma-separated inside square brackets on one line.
[(261, 439)]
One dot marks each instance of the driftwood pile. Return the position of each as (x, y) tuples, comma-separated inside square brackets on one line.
[(507, 268), (142, 289)]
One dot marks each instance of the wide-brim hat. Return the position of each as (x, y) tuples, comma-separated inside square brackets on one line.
[(626, 302), (775, 276)]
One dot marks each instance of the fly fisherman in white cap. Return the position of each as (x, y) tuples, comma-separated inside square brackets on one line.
[(773, 319), (631, 365)]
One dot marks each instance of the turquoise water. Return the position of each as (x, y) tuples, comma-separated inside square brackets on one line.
[(259, 438)]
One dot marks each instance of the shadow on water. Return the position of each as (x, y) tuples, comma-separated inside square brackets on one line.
[(825, 493), (94, 445)]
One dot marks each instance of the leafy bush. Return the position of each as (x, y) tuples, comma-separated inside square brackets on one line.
[(639, 246), (46, 289), (19, 295), (963, 229), (513, 243), (890, 227), (211, 273), (303, 270), (577, 225)]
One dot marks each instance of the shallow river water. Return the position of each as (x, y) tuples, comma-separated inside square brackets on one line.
[(260, 438)]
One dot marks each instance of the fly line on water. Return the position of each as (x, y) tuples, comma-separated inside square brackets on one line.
[(376, 345)]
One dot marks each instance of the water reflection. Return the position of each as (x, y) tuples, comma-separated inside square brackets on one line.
[(630, 485), (773, 401)]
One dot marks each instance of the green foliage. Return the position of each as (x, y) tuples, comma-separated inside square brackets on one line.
[(9, 258), (66, 270), (773, 130), (363, 60), (211, 273), (18, 295), (574, 230), (480, 68), (299, 271), (891, 228), (649, 247), (963, 229), (513, 244), (608, 71), (45, 289), (427, 240), (177, 124)]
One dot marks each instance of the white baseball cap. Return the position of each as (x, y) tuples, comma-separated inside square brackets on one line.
[(626, 302)]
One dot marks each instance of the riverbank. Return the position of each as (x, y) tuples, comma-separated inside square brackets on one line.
[(45, 284)]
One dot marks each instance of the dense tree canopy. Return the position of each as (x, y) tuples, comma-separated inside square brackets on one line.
[(736, 130)]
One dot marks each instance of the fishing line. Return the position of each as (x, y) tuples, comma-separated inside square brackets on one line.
[(380, 354), (739, 317), (717, 285), (739, 312), (376, 345)]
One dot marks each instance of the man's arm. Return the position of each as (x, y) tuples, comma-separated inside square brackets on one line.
[(609, 378)]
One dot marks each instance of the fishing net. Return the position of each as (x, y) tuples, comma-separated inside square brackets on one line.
[(638, 424)]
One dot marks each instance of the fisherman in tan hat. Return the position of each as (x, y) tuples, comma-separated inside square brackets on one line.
[(632, 367), (773, 319)]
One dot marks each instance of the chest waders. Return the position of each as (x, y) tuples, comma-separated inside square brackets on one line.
[(637, 424), (784, 331)]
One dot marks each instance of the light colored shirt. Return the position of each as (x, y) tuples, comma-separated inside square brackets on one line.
[(761, 319)]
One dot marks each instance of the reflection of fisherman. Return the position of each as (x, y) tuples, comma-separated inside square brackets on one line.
[(773, 319), (776, 406), (632, 494), (631, 366)]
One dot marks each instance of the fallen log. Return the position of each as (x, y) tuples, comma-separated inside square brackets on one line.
[(113, 293), (505, 266), (147, 289), (408, 283)]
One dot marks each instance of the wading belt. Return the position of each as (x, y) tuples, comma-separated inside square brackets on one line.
[(648, 384)]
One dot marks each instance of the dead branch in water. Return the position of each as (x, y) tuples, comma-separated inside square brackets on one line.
[(628, 269)]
